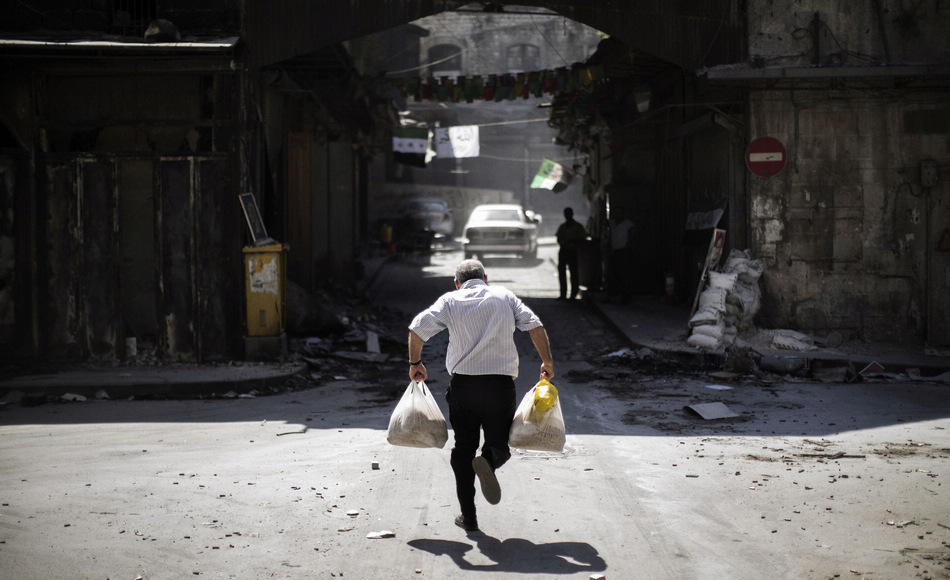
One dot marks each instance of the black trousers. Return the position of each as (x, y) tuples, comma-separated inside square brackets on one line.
[(567, 260), (477, 403), (619, 280)]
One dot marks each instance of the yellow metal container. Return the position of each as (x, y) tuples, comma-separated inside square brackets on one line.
[(265, 269)]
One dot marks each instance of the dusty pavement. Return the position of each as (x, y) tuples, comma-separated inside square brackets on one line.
[(810, 480)]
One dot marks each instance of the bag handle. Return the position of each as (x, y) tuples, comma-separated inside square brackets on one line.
[(421, 385)]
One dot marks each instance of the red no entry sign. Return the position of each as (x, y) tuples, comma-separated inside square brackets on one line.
[(765, 156)]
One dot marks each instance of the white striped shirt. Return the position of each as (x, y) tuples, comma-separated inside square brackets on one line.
[(481, 320)]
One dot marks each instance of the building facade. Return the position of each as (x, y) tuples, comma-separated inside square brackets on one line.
[(855, 228)]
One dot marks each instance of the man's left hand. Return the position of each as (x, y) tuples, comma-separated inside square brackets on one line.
[(547, 371)]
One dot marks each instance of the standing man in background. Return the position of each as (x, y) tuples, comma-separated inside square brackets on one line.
[(569, 236), (483, 362), (619, 285)]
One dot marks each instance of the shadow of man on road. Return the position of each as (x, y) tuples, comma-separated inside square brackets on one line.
[(517, 555)]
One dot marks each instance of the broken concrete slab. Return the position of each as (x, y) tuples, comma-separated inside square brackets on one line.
[(710, 411), (372, 342)]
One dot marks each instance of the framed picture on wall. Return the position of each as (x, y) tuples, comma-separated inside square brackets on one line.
[(254, 221)]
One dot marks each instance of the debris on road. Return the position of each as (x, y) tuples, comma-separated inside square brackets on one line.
[(719, 387), (874, 368), (724, 375), (372, 342), (792, 340), (298, 432), (839, 455), (710, 411)]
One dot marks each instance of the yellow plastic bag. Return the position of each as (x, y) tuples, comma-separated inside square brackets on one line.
[(539, 423), (545, 395)]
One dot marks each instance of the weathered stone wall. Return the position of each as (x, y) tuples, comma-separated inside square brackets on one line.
[(849, 230), (844, 226), (783, 32), (486, 38)]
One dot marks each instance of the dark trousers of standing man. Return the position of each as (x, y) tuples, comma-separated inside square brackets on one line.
[(567, 260), (479, 402), (619, 282)]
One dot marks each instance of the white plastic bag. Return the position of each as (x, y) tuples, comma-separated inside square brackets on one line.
[(417, 420), (533, 428)]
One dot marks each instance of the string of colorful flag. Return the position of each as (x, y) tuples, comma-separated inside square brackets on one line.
[(413, 145), (499, 87)]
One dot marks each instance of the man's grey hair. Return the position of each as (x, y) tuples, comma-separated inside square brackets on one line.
[(469, 270)]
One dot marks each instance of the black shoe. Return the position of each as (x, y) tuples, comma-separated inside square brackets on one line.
[(486, 475), (467, 524)]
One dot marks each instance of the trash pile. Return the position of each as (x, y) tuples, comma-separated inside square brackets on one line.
[(728, 303)]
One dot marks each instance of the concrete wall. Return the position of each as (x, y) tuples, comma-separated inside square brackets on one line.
[(134, 229), (846, 228), (783, 32), (850, 232)]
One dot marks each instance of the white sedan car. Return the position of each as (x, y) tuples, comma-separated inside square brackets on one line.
[(501, 229)]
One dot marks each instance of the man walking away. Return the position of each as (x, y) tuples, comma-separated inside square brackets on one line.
[(570, 235), (483, 362)]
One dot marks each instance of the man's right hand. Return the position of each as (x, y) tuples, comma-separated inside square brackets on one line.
[(418, 373)]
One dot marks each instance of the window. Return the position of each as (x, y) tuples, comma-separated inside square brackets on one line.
[(523, 58), (445, 60)]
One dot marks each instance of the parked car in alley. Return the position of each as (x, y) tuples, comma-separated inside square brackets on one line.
[(501, 229), (428, 214)]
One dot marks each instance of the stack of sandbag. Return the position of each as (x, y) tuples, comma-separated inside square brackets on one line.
[(745, 295), (708, 326), (728, 303)]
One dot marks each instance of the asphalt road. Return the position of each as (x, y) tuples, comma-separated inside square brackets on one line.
[(811, 480)]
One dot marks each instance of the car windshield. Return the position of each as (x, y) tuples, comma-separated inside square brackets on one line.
[(497, 215)]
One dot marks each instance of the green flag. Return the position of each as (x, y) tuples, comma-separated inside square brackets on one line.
[(553, 176)]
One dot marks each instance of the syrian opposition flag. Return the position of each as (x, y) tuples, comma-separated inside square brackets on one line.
[(411, 146), (553, 176), (457, 142)]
